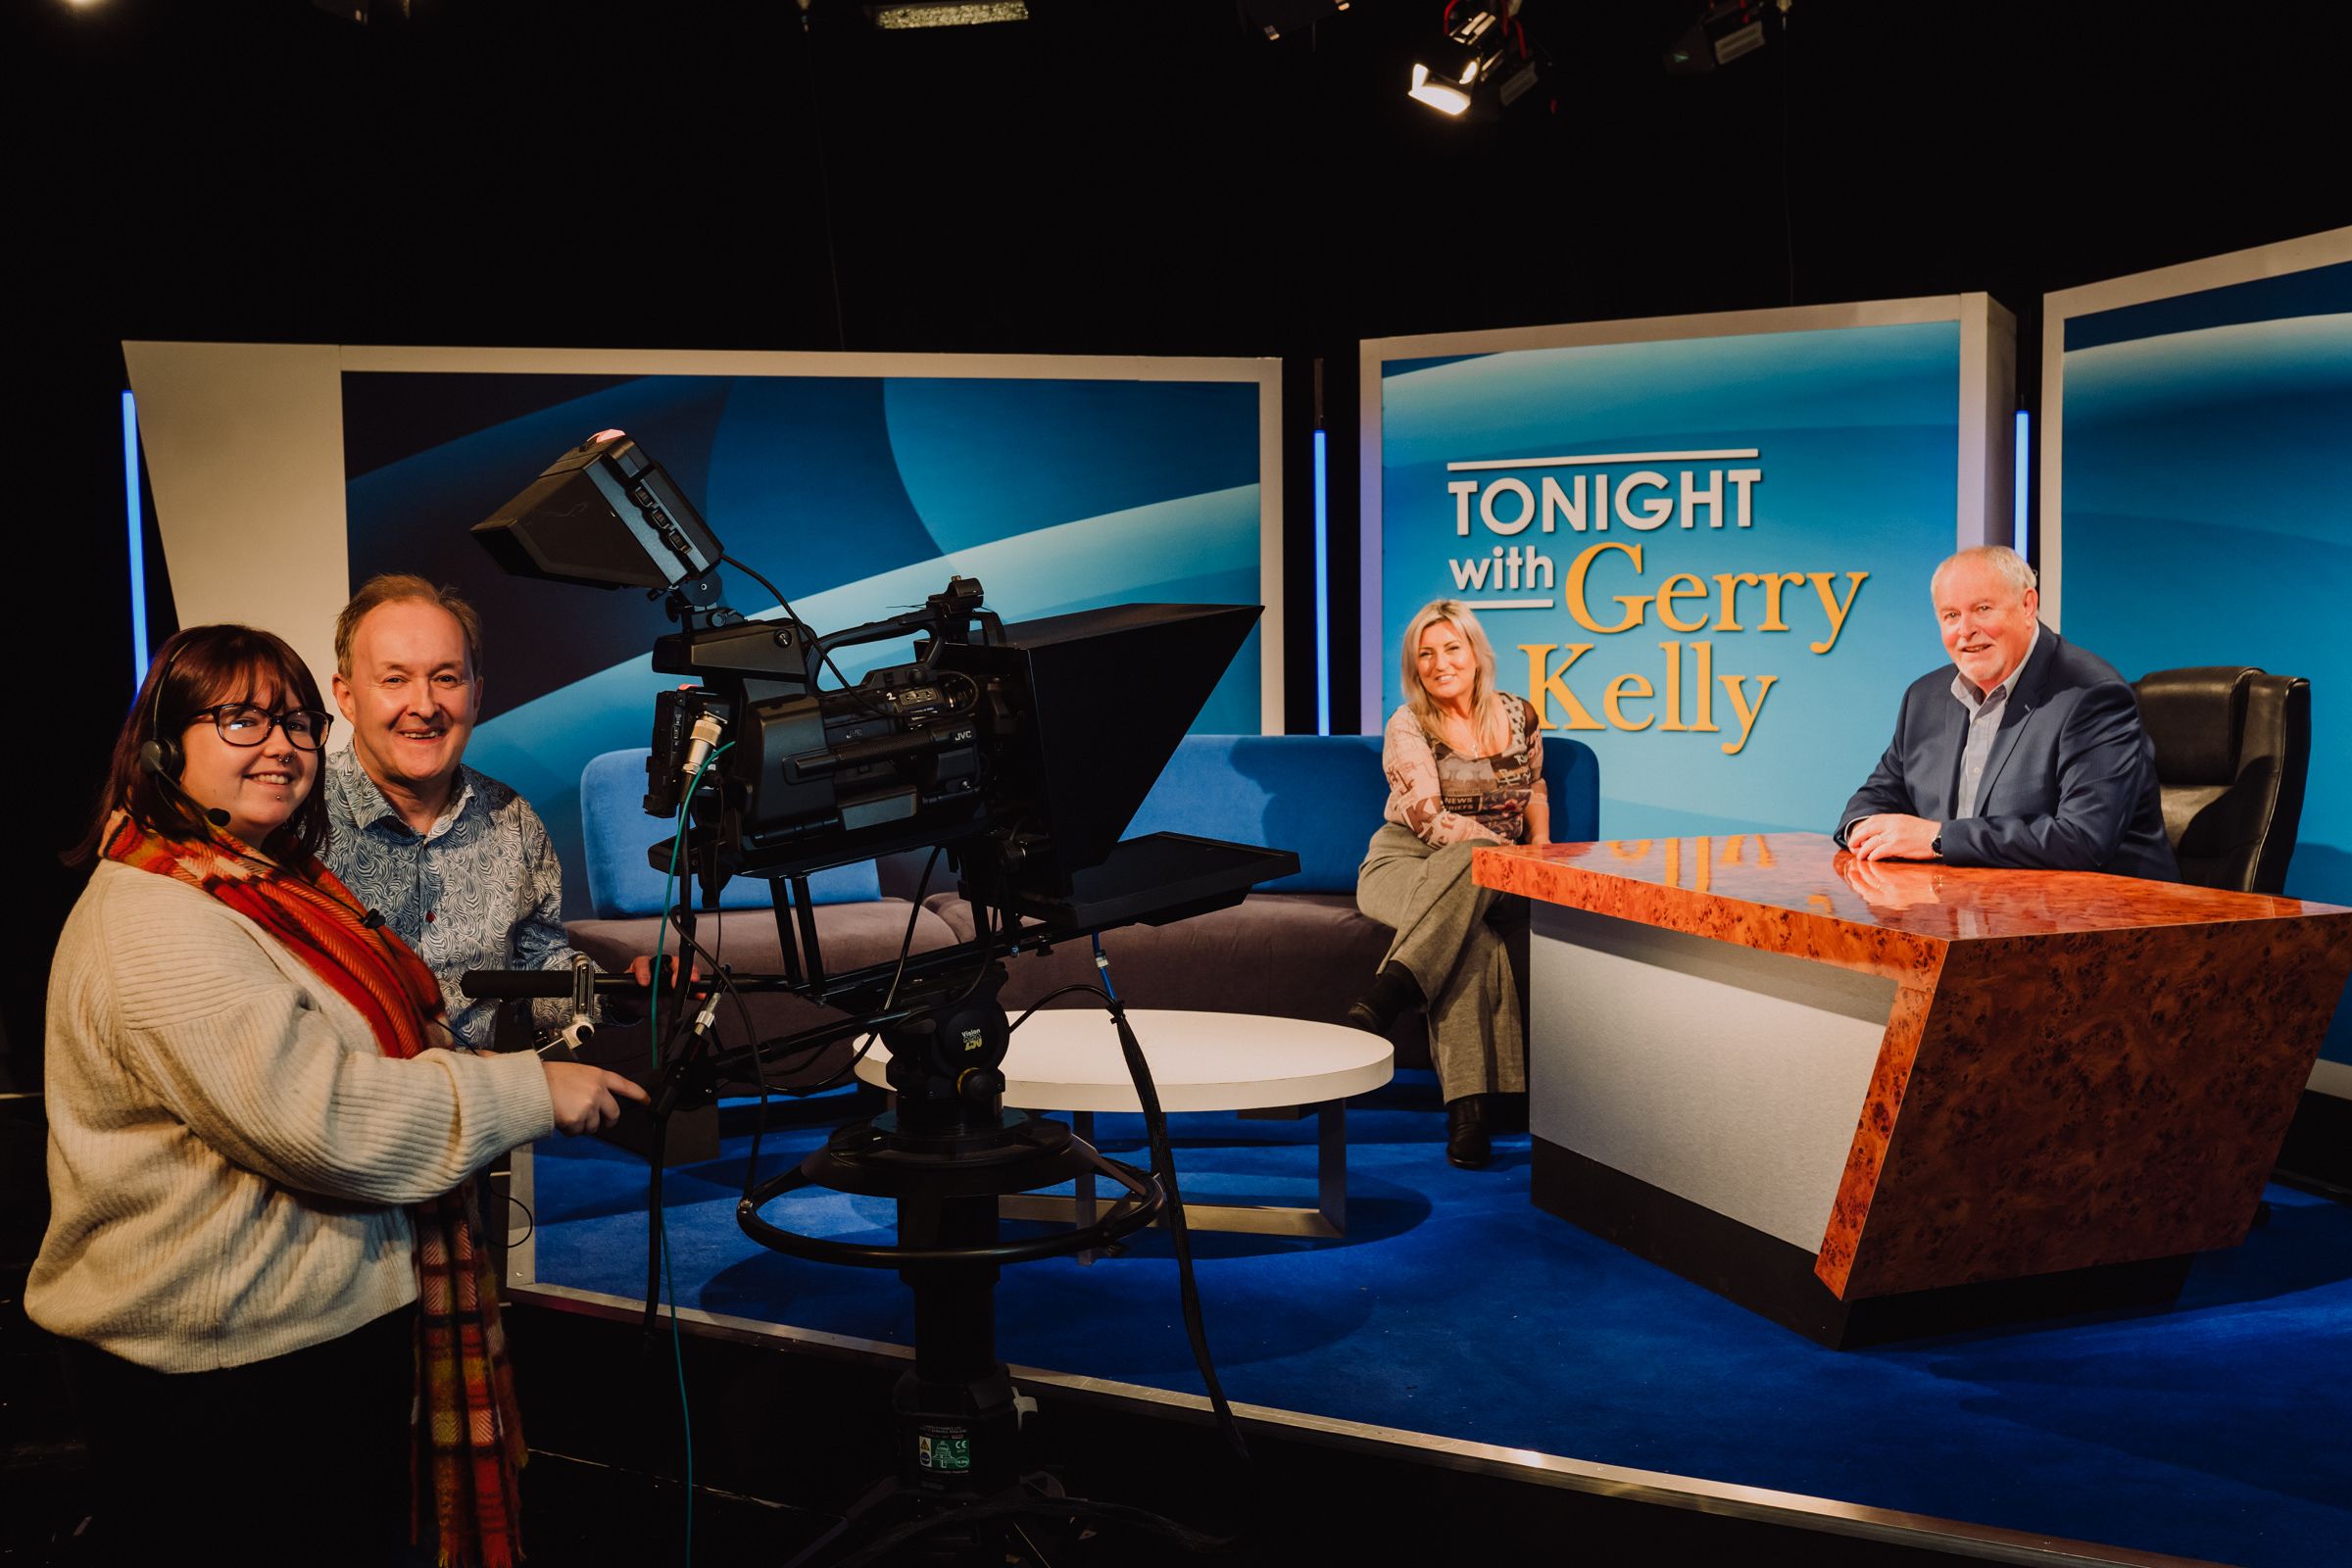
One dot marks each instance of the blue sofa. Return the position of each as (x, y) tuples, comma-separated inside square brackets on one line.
[(1295, 947)]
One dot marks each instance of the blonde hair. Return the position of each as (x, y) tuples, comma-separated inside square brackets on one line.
[(1485, 710)]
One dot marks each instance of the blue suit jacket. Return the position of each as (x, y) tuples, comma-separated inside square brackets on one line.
[(2070, 784)]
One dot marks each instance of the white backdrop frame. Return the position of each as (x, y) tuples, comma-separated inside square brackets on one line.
[(244, 441), (2279, 260)]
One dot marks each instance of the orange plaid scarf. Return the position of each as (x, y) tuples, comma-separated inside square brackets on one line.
[(467, 1437)]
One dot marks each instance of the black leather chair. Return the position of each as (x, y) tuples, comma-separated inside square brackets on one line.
[(2233, 746)]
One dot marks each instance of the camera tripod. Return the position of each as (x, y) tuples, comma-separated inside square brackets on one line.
[(946, 1154)]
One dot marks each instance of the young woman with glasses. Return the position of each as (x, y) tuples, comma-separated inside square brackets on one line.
[(261, 1251)]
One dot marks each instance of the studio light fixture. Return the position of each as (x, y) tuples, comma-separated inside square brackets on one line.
[(896, 14), (1724, 32), (1450, 73)]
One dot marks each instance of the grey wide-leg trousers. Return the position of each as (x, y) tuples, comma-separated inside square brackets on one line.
[(1454, 935)]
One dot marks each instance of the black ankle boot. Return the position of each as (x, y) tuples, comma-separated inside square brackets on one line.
[(1466, 1142), (1392, 992)]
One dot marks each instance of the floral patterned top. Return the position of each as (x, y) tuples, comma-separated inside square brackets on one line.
[(481, 890), (1445, 797)]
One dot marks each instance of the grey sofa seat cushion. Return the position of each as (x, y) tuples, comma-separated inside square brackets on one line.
[(851, 936)]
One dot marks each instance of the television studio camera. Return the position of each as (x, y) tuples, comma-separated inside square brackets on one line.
[(1020, 753)]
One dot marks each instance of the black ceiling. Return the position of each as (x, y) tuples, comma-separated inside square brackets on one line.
[(1129, 175), (1114, 177)]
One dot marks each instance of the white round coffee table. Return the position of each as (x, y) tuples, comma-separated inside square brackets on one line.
[(1069, 1060)]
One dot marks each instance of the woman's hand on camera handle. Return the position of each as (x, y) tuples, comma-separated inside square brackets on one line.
[(588, 1100)]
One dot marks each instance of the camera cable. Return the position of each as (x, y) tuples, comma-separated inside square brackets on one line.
[(751, 1175), (661, 1279), (1163, 1161), (777, 594)]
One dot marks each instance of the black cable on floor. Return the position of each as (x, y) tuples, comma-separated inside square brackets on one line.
[(879, 1549), (1164, 1165)]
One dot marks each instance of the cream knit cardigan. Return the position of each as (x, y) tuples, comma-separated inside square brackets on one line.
[(229, 1150)]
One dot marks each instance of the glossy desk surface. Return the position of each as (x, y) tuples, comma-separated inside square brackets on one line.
[(2077, 1069), (1800, 893)]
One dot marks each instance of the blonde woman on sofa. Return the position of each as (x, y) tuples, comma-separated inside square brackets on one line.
[(1465, 765)]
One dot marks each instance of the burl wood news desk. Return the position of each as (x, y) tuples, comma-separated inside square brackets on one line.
[(1869, 1101)]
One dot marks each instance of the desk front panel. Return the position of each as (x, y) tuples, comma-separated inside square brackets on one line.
[(1728, 1077), (2096, 1097), (2035, 1071)]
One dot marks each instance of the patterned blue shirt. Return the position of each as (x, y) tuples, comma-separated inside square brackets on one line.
[(484, 890)]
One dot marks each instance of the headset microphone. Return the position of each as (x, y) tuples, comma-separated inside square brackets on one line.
[(162, 759), (163, 756), (155, 765)]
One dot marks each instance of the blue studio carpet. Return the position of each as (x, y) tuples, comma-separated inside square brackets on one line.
[(2218, 1428)]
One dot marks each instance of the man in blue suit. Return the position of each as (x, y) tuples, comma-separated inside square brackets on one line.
[(2032, 754)]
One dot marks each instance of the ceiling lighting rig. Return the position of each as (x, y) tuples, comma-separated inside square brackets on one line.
[(895, 15), (1725, 31), (1272, 18), (1484, 53)]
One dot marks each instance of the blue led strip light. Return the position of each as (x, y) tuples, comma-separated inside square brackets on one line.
[(1322, 591), (2024, 453), (138, 541)]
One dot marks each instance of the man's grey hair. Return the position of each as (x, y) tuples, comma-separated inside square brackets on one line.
[(2006, 562)]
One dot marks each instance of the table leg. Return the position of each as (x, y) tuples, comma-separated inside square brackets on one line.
[(1082, 1122), (1330, 1164), (1326, 1221)]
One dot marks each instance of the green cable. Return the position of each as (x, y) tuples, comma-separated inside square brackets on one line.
[(677, 1344), (661, 933)]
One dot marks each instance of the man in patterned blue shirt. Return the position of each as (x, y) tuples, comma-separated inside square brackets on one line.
[(458, 864)]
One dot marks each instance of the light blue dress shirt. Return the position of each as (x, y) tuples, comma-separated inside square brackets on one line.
[(1984, 716)]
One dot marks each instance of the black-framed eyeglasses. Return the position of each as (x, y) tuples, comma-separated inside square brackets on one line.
[(244, 725)]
